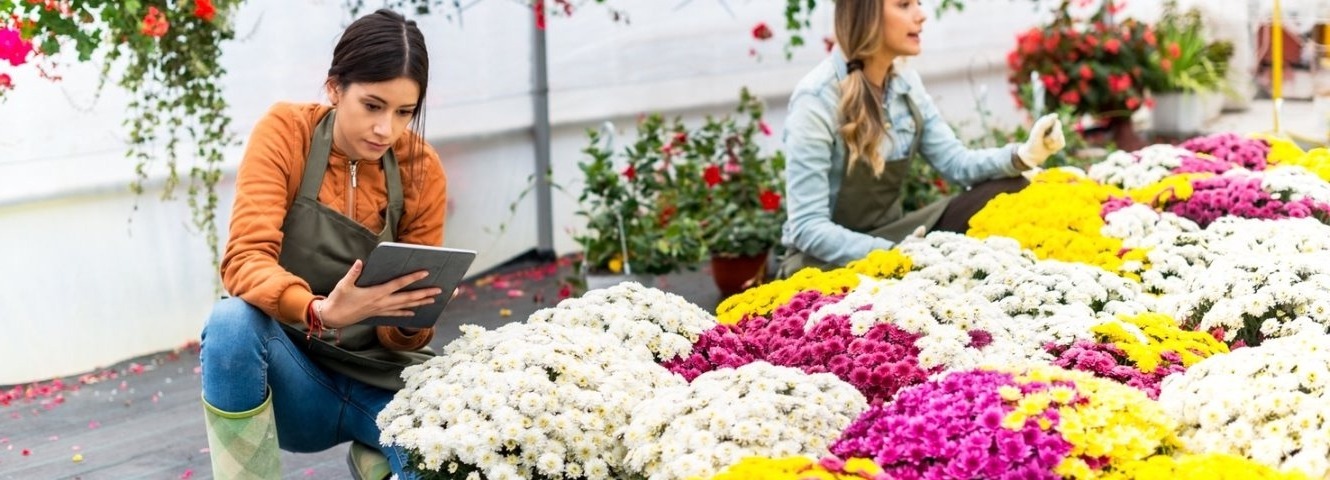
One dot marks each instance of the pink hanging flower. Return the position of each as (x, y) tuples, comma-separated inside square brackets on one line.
[(13, 48)]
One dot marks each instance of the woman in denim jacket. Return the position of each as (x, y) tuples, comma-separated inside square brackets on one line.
[(855, 123)]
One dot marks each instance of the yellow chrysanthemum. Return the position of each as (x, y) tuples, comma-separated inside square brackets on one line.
[(764, 299), (883, 264), (1162, 335), (1169, 189), (1210, 466), (1057, 217), (796, 468), (1106, 420)]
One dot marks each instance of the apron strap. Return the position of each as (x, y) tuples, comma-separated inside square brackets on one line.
[(396, 205), (918, 118), (316, 163)]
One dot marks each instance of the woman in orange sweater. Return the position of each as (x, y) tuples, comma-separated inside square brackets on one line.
[(285, 362)]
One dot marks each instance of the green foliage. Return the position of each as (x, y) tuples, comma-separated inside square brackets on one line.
[(632, 202), (172, 72), (735, 188), (1187, 62)]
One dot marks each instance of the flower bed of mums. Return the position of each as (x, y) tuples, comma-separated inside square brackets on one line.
[(1035, 346)]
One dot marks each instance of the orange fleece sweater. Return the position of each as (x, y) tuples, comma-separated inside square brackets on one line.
[(266, 186)]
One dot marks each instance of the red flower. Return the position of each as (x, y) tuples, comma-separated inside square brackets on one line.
[(1166, 65), (6, 81), (1174, 51), (1070, 97), (1150, 38), (680, 138), (666, 214), (770, 200), (204, 9), (154, 23), (1113, 45), (761, 31), (1133, 102), (1119, 83), (538, 9), (630, 172), (711, 175), (766, 129), (1086, 72)]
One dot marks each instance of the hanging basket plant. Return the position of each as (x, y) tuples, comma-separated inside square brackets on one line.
[(166, 54)]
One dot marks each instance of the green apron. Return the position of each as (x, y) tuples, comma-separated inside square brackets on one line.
[(319, 245), (874, 205)]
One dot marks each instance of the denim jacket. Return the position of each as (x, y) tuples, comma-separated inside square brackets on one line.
[(816, 155)]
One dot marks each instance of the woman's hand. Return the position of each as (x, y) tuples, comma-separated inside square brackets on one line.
[(349, 304), (1045, 139)]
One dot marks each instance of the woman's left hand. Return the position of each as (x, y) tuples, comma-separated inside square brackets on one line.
[(1046, 139)]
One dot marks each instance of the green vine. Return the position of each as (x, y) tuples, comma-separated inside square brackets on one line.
[(171, 51)]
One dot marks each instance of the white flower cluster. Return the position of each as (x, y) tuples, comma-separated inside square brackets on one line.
[(1176, 247), (1293, 182), (955, 260), (1051, 286), (1245, 236), (1267, 403), (725, 415), (943, 316), (1128, 170), (1258, 295), (665, 323), (523, 401)]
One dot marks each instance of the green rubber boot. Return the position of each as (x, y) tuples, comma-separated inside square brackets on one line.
[(243, 445), (367, 463)]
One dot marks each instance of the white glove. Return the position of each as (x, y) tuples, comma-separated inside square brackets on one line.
[(1045, 139)]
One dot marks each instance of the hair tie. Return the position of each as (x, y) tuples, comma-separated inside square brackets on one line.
[(853, 65)]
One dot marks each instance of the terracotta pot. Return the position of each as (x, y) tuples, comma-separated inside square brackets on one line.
[(736, 274)]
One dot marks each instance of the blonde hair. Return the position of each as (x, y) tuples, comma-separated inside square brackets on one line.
[(859, 34)]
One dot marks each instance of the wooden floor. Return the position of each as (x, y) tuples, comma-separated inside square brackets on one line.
[(141, 419)]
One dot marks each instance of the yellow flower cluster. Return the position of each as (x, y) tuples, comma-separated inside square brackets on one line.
[(1210, 466), (796, 468), (1285, 152), (1057, 217), (1169, 189), (764, 299), (1114, 422), (1161, 335), (882, 264)]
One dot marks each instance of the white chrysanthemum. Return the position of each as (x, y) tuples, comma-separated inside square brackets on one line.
[(1128, 170), (1256, 295), (959, 261), (1293, 182), (724, 415), (944, 317), (1051, 285), (667, 324), (1267, 403), (524, 400)]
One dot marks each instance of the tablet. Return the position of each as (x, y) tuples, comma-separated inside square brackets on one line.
[(390, 260)]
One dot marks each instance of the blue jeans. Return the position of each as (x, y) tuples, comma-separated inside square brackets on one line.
[(245, 354)]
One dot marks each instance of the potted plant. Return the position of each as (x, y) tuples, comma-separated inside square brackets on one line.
[(631, 203), (736, 193), (1191, 70), (1098, 68)]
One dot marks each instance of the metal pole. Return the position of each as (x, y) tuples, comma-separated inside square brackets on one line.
[(540, 131)]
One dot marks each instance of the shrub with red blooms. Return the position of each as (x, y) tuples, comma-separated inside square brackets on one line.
[(1095, 67)]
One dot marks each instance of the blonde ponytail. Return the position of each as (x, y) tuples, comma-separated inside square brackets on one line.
[(861, 122), (858, 31)]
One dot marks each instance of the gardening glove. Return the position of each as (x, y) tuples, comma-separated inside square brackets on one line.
[(1045, 139)]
